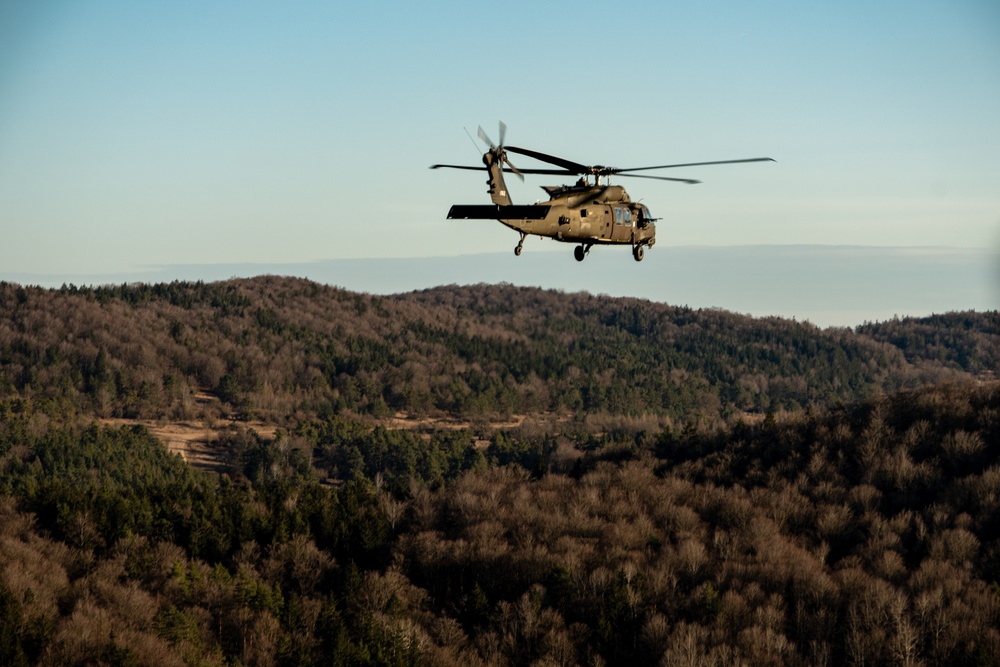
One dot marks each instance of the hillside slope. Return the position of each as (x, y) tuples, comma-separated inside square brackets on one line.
[(591, 490), (967, 341), (284, 350), (867, 534)]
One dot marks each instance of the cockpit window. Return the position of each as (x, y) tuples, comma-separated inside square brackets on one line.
[(628, 216), (618, 216)]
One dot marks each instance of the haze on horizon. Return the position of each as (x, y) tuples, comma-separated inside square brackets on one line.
[(829, 286), (185, 134)]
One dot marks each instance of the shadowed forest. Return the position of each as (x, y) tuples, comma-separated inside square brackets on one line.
[(490, 475)]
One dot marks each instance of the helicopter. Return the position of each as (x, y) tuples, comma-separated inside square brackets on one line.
[(587, 213)]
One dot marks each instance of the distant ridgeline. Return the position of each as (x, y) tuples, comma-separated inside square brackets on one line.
[(282, 349), (490, 475)]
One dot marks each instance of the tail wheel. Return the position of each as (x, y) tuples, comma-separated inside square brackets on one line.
[(638, 253), (579, 253)]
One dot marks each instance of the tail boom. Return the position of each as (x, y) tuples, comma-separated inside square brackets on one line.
[(496, 212)]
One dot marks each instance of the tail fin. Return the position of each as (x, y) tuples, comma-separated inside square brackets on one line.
[(494, 159)]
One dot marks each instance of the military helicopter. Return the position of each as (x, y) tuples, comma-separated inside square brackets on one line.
[(586, 213)]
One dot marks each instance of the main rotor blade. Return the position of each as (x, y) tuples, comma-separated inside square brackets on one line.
[(689, 181), (574, 167), (503, 131), (547, 172), (457, 166), (509, 170), (695, 164)]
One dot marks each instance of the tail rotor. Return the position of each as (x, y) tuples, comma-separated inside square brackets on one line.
[(498, 149)]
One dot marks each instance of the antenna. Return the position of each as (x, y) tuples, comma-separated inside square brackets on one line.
[(474, 144)]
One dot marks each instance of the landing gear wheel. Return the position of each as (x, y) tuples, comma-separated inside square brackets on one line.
[(517, 250), (579, 253), (637, 252)]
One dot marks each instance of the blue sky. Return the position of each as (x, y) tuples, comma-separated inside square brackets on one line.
[(159, 133)]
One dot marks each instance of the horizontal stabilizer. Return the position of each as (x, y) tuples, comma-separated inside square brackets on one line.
[(494, 212)]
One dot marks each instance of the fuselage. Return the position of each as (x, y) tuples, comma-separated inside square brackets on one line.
[(590, 214)]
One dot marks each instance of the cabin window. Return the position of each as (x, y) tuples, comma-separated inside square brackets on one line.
[(644, 217), (618, 216)]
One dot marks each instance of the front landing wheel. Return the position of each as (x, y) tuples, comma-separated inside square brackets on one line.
[(579, 253), (638, 253)]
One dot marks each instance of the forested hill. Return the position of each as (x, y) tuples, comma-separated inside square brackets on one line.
[(284, 349), (970, 341), (859, 531)]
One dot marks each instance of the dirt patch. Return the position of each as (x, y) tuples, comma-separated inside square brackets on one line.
[(197, 441), (402, 421), (194, 441)]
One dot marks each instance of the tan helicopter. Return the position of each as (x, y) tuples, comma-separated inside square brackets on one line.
[(585, 213)]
